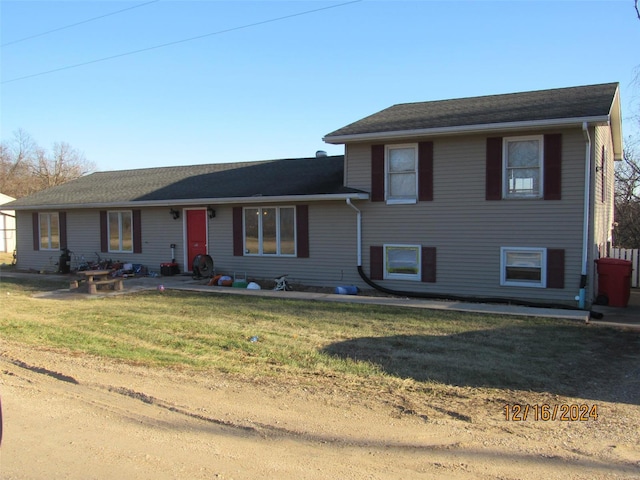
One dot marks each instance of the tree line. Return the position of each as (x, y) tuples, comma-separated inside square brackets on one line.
[(27, 168), (627, 198)]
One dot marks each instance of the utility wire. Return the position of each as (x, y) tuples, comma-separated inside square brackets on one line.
[(76, 24), (155, 47)]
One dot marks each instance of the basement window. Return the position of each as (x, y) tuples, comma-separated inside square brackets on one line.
[(402, 262), (523, 267)]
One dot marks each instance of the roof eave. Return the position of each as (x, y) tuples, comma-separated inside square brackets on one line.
[(615, 117), (203, 201), (464, 129)]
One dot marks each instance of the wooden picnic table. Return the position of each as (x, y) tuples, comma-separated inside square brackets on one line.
[(91, 274), (96, 278)]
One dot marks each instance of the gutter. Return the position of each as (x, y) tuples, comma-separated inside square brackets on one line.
[(459, 129), (199, 201), (581, 298)]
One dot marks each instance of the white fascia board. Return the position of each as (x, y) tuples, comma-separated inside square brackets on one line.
[(463, 129), (204, 201), (616, 127)]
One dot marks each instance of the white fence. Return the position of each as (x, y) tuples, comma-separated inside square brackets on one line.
[(631, 255)]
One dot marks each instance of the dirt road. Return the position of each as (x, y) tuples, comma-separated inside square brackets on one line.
[(83, 418)]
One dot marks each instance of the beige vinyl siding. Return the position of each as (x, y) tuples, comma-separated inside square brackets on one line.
[(603, 211), (332, 248), (602, 216), (358, 166), (467, 230), (159, 230), (27, 258), (332, 245)]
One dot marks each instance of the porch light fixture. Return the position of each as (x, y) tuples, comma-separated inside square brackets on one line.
[(211, 212), (175, 213)]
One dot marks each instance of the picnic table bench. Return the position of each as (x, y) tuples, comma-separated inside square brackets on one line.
[(100, 278)]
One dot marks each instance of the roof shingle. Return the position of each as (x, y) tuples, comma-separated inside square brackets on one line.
[(288, 177), (562, 103)]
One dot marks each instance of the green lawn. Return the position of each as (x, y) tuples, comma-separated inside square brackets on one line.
[(321, 340)]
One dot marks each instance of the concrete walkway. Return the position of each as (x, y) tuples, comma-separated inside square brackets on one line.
[(614, 317), (628, 317)]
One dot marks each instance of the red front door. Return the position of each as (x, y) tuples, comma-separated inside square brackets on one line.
[(196, 235)]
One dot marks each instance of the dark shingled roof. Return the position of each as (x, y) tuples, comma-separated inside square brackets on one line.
[(306, 176), (561, 103)]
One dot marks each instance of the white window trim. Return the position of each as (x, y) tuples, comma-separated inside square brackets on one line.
[(514, 283), (48, 215), (119, 212), (260, 237), (387, 195), (402, 276), (505, 177)]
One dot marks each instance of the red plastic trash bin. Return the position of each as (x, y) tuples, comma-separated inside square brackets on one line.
[(614, 280)]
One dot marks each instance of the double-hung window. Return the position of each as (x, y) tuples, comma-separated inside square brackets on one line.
[(402, 173), (523, 167), (120, 232), (402, 262), (523, 267), (49, 231), (270, 231)]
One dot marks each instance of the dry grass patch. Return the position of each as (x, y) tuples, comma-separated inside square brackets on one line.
[(374, 347)]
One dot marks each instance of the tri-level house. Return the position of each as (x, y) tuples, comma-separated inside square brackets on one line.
[(505, 196), (501, 198)]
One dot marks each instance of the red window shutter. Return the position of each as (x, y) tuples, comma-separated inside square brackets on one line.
[(62, 224), (555, 268), (238, 241), (428, 256), (104, 232), (377, 173), (376, 254), (35, 221), (137, 231), (493, 182), (425, 171), (302, 231), (553, 166)]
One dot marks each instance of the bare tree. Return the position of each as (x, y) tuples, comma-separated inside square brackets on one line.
[(627, 200), (63, 164), (17, 157), (26, 168)]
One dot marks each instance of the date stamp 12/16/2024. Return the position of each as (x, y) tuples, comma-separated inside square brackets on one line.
[(544, 412)]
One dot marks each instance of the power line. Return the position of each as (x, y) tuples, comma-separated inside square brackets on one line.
[(76, 24), (155, 47)]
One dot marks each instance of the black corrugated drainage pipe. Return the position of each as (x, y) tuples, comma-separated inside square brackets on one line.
[(439, 296), (470, 299)]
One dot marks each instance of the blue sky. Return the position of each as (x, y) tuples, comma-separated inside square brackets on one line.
[(269, 79)]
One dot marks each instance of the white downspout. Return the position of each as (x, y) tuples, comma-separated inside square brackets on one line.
[(358, 230), (585, 232)]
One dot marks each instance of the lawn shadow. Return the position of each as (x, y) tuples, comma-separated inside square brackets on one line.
[(570, 360), (33, 283)]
